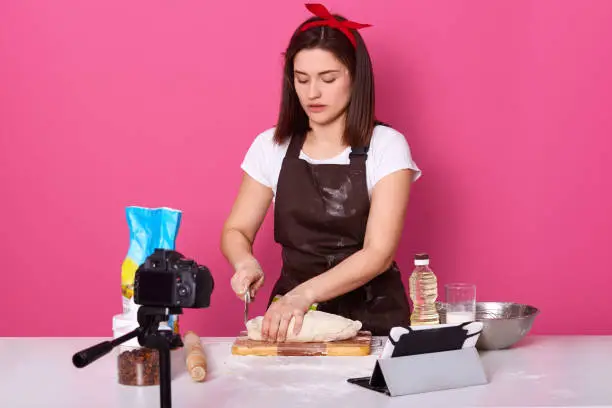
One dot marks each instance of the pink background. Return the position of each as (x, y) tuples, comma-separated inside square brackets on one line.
[(104, 104)]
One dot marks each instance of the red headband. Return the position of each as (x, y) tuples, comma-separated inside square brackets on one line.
[(319, 10)]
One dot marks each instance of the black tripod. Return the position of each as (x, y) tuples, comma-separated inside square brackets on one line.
[(150, 336)]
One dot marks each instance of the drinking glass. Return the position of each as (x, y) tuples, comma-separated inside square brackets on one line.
[(460, 302)]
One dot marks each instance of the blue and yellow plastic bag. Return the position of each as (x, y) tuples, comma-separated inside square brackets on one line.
[(150, 228)]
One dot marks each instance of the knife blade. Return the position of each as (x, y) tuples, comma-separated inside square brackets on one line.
[(247, 300)]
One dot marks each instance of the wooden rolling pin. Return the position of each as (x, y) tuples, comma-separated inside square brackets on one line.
[(194, 356)]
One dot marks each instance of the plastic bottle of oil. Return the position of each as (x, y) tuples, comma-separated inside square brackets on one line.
[(423, 292)]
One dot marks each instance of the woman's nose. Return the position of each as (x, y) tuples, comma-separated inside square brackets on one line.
[(313, 90)]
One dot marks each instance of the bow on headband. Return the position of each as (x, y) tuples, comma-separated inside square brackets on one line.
[(320, 11)]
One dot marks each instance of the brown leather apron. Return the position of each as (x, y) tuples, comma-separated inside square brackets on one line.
[(320, 217)]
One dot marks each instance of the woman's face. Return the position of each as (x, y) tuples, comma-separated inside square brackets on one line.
[(322, 84)]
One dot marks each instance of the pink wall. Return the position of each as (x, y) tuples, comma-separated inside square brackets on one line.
[(104, 104)]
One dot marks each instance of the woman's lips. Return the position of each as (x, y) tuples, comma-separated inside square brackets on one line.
[(316, 108)]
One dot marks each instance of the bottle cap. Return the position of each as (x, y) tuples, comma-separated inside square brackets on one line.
[(421, 259)]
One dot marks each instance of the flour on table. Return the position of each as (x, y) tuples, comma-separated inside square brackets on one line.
[(317, 326)]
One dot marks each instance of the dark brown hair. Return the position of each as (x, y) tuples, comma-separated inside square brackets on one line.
[(360, 120)]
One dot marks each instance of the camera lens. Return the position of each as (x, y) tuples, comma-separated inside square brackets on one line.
[(183, 291)]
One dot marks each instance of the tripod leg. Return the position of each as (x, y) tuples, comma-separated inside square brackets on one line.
[(164, 378)]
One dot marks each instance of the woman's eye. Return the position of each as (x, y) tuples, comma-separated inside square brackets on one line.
[(328, 80)]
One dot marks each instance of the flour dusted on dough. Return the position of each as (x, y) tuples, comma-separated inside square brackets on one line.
[(317, 326)]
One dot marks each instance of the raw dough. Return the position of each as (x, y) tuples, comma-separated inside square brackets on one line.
[(317, 326)]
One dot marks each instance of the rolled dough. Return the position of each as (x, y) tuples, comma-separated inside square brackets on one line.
[(317, 326)]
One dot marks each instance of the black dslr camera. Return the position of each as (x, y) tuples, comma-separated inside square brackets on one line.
[(167, 279)]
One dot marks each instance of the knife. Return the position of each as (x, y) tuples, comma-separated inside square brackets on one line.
[(247, 300)]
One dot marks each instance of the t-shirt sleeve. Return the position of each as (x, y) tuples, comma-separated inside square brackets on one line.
[(257, 163), (392, 154)]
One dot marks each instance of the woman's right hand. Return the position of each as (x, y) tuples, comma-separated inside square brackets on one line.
[(247, 274)]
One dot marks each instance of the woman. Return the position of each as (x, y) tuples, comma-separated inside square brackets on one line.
[(340, 183)]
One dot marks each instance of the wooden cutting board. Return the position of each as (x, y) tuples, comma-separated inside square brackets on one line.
[(356, 346)]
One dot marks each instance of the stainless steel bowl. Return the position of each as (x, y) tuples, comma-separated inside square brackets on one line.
[(504, 323)]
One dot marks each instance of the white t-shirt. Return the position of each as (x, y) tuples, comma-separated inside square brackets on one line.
[(389, 152)]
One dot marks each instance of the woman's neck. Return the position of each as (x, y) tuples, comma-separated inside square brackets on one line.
[(325, 141), (330, 134)]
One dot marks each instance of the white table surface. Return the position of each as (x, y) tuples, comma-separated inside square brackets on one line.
[(543, 371)]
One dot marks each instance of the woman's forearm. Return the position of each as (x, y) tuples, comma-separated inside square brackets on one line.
[(350, 274), (236, 247)]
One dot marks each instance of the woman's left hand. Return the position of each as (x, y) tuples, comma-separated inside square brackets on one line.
[(278, 316)]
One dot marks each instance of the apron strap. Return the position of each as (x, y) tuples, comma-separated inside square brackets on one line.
[(358, 158), (295, 145)]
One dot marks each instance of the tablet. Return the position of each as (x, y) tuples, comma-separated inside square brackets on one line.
[(431, 338)]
